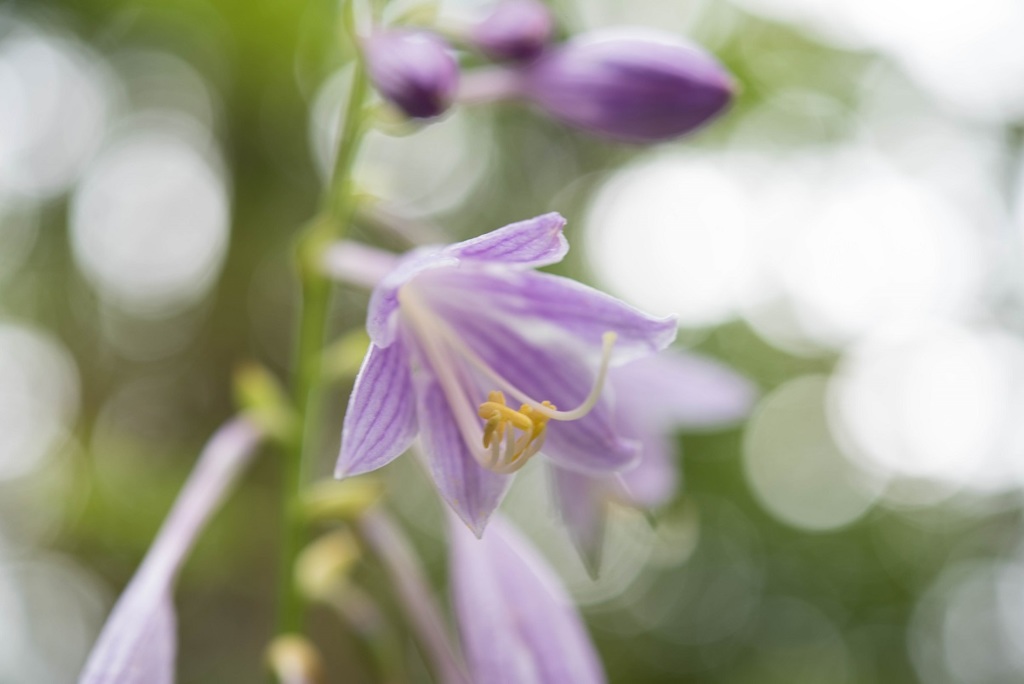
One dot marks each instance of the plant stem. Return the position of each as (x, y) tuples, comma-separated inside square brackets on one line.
[(336, 213)]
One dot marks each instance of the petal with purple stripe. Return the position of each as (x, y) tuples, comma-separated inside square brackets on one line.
[(570, 309), (530, 243), (553, 372), (471, 490), (380, 422)]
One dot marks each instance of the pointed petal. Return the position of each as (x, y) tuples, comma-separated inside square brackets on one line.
[(655, 479), (517, 622), (532, 243), (381, 314), (553, 372), (471, 490), (582, 503), (676, 389), (569, 309), (138, 644), (380, 422)]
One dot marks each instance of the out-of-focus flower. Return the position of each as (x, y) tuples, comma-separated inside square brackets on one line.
[(414, 70), (517, 622), (635, 86), (517, 30), (138, 643), (461, 335), (655, 396)]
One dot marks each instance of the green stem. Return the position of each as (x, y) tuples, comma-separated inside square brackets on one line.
[(335, 216)]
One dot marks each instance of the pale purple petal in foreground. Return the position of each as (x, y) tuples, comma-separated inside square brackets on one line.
[(504, 361), (380, 422), (575, 309), (473, 492), (562, 375), (531, 243), (517, 622), (138, 642)]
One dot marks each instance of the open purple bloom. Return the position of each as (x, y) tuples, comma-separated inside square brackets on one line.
[(655, 397), (517, 622), (637, 87), (462, 335), (413, 70), (138, 643), (517, 30)]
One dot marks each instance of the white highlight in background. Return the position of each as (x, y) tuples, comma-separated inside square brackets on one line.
[(55, 102), (38, 398), (669, 235), (149, 222), (937, 402), (794, 466)]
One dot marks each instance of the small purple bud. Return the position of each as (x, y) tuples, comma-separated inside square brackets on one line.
[(517, 30), (639, 87), (413, 70)]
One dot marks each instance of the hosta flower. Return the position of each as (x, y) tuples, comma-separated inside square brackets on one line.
[(517, 622), (655, 397), (414, 70), (138, 643), (633, 86), (637, 86), (491, 363)]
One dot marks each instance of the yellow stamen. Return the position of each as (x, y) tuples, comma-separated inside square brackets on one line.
[(499, 421)]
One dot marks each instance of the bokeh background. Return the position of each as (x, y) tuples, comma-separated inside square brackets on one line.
[(848, 236)]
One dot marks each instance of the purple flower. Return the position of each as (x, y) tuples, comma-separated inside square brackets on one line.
[(138, 643), (517, 30), (413, 70), (462, 335), (639, 87), (517, 622), (655, 396)]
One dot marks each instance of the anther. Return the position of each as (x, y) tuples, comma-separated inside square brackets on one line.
[(501, 424)]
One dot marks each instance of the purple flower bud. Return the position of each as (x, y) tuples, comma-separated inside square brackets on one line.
[(517, 30), (413, 70), (637, 87)]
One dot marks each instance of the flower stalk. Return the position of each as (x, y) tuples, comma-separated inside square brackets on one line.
[(307, 389)]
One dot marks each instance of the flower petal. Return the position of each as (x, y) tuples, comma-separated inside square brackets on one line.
[(380, 422), (138, 643), (655, 479), (582, 503), (676, 389), (569, 309), (381, 319), (517, 622), (554, 372), (530, 243), (471, 490)]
